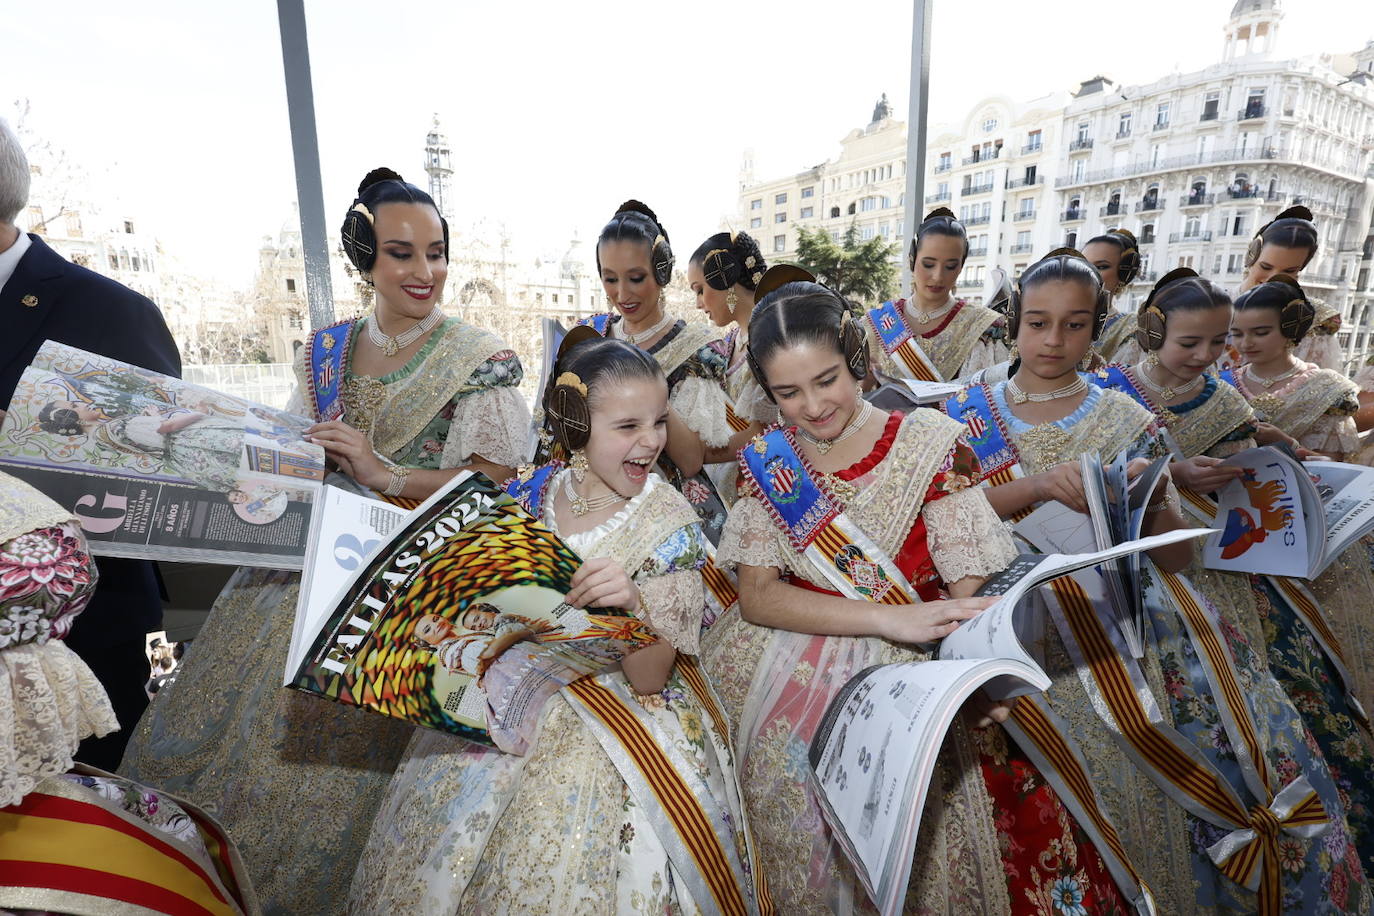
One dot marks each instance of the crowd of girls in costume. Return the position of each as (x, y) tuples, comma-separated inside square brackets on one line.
[(659, 442)]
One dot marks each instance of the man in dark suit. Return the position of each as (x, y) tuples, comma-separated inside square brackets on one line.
[(45, 297)]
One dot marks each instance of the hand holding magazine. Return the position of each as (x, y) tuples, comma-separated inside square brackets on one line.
[(872, 756), (455, 621)]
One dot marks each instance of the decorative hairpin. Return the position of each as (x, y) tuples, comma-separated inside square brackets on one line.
[(571, 380)]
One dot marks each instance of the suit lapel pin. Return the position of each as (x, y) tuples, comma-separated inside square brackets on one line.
[(29, 301)]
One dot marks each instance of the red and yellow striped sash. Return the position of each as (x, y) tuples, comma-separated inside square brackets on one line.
[(831, 542), (737, 423), (919, 367), (719, 582), (674, 795)]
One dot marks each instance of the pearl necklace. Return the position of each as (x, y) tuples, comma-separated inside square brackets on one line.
[(647, 333), (389, 345), (582, 506), (1271, 382), (921, 317), (1020, 396), (1164, 391), (856, 422)]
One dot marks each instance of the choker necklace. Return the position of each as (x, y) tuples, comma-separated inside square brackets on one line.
[(389, 345), (581, 505), (922, 317), (1020, 395), (1271, 382), (856, 422), (647, 333), (1164, 391)]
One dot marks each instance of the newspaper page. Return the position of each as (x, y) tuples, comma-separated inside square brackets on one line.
[(158, 468), (874, 751), (1347, 494), (1270, 521), (457, 622)]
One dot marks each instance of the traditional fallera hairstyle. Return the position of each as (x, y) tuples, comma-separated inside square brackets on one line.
[(1293, 228), (585, 361), (794, 309), (727, 258), (1180, 290), (1283, 294), (1061, 264), (634, 221), (359, 235), (940, 221), (59, 421), (1124, 239)]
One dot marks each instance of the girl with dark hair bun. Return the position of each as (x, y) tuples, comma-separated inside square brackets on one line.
[(635, 262), (1286, 245), (1183, 329), (724, 272), (934, 335), (579, 825), (1116, 255), (806, 623), (403, 398)]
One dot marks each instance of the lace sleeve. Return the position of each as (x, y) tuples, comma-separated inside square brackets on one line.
[(753, 404), (749, 538), (1332, 433), (1321, 348), (493, 423), (700, 402), (966, 537), (990, 350), (670, 586)]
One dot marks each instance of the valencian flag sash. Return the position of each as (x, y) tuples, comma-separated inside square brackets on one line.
[(1248, 854), (326, 351), (1300, 600), (815, 526), (67, 849), (987, 434), (899, 342)]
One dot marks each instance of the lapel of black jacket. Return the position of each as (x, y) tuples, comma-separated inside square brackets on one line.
[(35, 276)]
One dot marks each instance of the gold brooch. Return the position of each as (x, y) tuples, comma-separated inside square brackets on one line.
[(328, 341), (759, 445), (29, 301), (525, 473)]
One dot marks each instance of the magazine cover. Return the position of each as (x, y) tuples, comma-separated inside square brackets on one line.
[(158, 468), (457, 622)]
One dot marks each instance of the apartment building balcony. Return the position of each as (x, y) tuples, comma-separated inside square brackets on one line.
[(1149, 205), (1082, 143), (1197, 200), (1021, 249), (1031, 148), (936, 198), (1073, 215), (972, 189), (1013, 183), (1112, 210), (1250, 113), (1021, 216), (1199, 236), (978, 252), (977, 221), (982, 157)]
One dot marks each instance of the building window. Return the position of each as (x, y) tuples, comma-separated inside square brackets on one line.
[(756, 204), (807, 212), (780, 199), (128, 227), (1123, 125), (865, 232), (114, 261), (780, 217), (1210, 105), (1147, 233), (779, 243), (1162, 115), (989, 125), (1071, 240), (1234, 264), (945, 161), (74, 225), (1034, 140), (290, 284), (834, 212), (808, 192), (295, 320), (1083, 128), (554, 297), (756, 222), (868, 203)]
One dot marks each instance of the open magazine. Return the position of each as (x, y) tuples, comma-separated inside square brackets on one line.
[(873, 754), (1287, 517), (158, 468), (904, 394), (455, 620)]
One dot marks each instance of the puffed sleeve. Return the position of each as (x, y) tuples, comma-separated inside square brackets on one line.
[(965, 535), (700, 403), (1335, 430), (490, 417), (671, 590), (749, 537)]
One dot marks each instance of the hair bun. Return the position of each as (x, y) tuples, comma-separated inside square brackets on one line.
[(377, 176), (1065, 252), (939, 212), (1294, 213), (1126, 234), (1288, 280), (635, 206), (1173, 276)]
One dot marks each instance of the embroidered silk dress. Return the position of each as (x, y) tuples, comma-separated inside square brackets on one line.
[(208, 452), (1320, 347), (572, 827), (993, 837), (969, 338), (269, 761)]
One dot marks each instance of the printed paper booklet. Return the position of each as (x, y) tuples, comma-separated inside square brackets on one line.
[(455, 620), (1286, 517), (158, 468)]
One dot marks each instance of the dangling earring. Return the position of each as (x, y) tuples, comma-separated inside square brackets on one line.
[(365, 292), (1086, 362), (731, 300), (1014, 353), (1290, 345), (578, 465), (1152, 360)]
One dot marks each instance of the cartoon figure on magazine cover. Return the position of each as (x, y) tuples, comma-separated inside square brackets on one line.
[(1241, 531)]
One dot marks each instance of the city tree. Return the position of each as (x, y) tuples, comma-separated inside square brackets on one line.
[(864, 271)]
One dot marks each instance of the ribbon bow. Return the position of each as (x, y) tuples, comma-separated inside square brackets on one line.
[(1250, 856)]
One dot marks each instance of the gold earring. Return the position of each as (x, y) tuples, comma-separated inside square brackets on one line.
[(1013, 353), (365, 292), (731, 300), (1151, 360), (578, 464)]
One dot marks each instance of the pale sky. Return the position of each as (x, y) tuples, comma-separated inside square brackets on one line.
[(556, 111)]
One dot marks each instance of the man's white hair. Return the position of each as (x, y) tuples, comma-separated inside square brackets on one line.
[(14, 175)]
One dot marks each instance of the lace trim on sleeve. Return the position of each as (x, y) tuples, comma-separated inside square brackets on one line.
[(493, 423), (986, 353), (966, 536), (673, 606), (701, 405), (1332, 433), (749, 538), (754, 406)]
